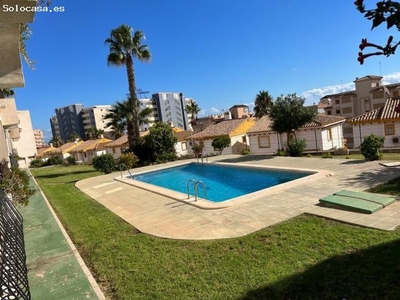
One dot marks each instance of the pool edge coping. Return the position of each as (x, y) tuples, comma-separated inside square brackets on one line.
[(206, 204)]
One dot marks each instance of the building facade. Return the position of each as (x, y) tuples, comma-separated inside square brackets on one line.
[(39, 138), (369, 94), (93, 117), (69, 121), (170, 107)]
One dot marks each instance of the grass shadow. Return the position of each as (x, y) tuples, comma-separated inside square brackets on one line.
[(373, 273), (56, 175)]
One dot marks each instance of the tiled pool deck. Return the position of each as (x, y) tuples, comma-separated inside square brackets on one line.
[(161, 216)]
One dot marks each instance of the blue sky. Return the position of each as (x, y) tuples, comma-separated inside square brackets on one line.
[(219, 52)]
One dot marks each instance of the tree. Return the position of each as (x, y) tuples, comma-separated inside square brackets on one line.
[(120, 115), (158, 143), (73, 137), (125, 45), (221, 142), (288, 114), (262, 103), (93, 133), (56, 141), (6, 93), (386, 11), (193, 109)]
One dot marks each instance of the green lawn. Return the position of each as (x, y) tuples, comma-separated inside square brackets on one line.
[(304, 258)]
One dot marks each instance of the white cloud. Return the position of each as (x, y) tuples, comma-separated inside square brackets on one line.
[(391, 78), (314, 95)]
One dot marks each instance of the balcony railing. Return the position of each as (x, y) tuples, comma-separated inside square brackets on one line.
[(13, 271)]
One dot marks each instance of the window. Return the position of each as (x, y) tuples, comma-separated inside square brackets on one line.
[(395, 93), (263, 142), (244, 141), (329, 132), (184, 145), (113, 150), (367, 105), (389, 129), (337, 101), (329, 112), (338, 111)]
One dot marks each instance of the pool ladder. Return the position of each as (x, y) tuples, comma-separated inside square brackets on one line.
[(196, 184)]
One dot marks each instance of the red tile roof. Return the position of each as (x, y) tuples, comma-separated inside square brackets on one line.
[(384, 113), (320, 120), (223, 128)]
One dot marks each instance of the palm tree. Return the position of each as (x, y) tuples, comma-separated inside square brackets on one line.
[(6, 93), (193, 109), (262, 103), (121, 114), (56, 141), (93, 133), (124, 46)]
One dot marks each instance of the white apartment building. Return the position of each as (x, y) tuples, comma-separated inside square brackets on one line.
[(168, 107), (93, 117), (39, 138), (369, 94)]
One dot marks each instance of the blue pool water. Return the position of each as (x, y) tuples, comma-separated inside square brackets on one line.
[(222, 182)]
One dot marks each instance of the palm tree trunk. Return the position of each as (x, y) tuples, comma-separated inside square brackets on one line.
[(134, 134)]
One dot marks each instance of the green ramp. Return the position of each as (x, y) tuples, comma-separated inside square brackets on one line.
[(380, 199), (354, 204)]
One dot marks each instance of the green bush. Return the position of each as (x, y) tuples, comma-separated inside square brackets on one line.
[(16, 183), (245, 152), (296, 147), (327, 155), (71, 160), (166, 157), (280, 152), (53, 160), (128, 159), (104, 163), (370, 147), (36, 163)]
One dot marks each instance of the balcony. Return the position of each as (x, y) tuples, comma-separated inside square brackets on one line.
[(10, 62)]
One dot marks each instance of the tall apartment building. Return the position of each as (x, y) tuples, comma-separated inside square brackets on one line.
[(93, 117), (369, 94), (69, 121), (167, 107), (39, 138)]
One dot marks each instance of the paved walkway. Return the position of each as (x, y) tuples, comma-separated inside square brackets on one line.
[(164, 217), (55, 269)]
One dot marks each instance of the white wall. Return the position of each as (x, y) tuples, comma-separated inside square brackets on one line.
[(376, 129), (319, 135), (26, 145)]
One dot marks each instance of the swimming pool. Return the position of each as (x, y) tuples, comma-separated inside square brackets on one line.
[(221, 182)]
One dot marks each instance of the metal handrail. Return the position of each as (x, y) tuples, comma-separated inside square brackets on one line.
[(196, 187), (126, 169), (187, 187)]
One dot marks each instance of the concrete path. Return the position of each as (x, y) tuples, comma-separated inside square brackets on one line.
[(161, 216), (55, 268)]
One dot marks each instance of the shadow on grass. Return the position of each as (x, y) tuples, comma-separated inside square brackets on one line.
[(373, 273), (246, 158), (56, 175)]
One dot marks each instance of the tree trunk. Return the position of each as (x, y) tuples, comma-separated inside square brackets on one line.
[(134, 133)]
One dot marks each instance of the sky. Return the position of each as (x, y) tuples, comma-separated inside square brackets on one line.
[(218, 52)]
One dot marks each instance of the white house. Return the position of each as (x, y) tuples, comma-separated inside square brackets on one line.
[(322, 134), (182, 146), (383, 121), (86, 151), (236, 129)]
